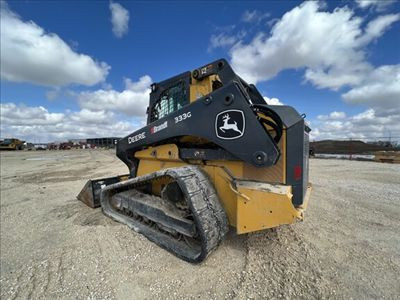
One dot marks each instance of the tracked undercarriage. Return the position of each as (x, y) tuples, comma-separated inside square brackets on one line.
[(185, 217)]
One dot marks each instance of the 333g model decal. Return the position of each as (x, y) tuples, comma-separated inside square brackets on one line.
[(183, 117)]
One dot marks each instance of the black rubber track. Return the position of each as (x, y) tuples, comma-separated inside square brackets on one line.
[(209, 216)]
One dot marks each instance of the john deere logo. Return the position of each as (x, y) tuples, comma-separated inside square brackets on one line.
[(230, 124)]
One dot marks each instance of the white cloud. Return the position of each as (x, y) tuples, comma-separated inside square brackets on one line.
[(380, 89), (106, 86), (103, 113), (119, 19), (13, 114), (92, 117), (223, 39), (272, 22), (254, 16), (249, 16), (335, 115), (38, 124), (379, 5), (132, 101), (272, 101), (140, 86), (329, 45), (377, 27), (366, 125), (29, 54)]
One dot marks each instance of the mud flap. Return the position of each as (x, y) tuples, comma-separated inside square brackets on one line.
[(90, 194)]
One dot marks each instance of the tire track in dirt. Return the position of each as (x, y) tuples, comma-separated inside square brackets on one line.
[(282, 264), (37, 280)]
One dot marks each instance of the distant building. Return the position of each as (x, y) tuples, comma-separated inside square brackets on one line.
[(106, 142), (77, 141)]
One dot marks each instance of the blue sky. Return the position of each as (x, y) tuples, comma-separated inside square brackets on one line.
[(81, 69)]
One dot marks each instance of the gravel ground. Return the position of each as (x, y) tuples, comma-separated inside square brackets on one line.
[(53, 246)]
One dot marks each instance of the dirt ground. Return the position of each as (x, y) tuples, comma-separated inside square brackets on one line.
[(53, 246)]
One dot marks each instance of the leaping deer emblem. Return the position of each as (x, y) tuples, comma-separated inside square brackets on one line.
[(228, 126)]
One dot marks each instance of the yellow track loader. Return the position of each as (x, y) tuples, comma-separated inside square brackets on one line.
[(213, 155), (11, 144)]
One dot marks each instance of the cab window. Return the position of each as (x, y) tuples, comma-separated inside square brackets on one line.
[(170, 100)]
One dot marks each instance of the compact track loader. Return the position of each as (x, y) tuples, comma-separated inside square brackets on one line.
[(11, 144), (214, 154)]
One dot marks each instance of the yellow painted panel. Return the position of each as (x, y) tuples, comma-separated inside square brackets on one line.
[(200, 88), (303, 207), (168, 152), (226, 195), (268, 206), (233, 167)]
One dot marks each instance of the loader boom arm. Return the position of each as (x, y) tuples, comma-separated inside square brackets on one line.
[(259, 152)]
